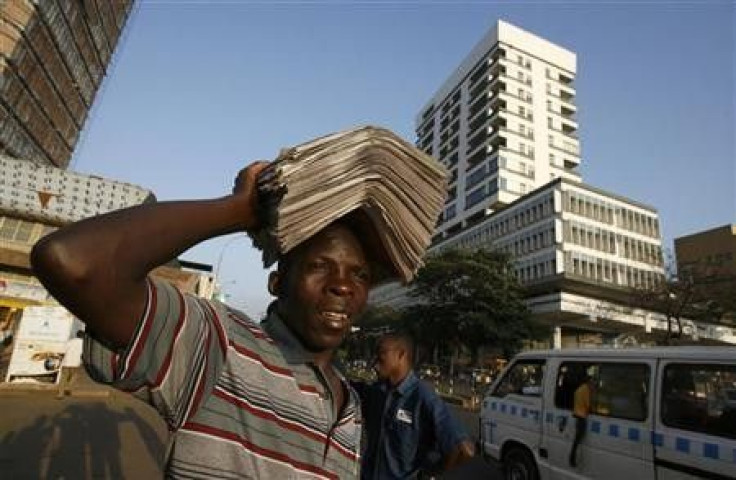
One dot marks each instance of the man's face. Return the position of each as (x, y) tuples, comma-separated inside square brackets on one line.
[(326, 288), (388, 359)]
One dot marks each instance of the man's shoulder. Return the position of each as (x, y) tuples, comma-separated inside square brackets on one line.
[(243, 330)]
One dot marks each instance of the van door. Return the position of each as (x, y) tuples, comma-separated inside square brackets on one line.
[(695, 428), (616, 443), (512, 411)]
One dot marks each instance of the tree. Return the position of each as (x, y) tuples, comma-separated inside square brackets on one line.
[(688, 293), (469, 298)]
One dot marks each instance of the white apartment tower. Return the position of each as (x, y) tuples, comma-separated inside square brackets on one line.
[(503, 124)]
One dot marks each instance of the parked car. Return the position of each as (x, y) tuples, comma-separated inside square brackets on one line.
[(650, 415), (429, 371)]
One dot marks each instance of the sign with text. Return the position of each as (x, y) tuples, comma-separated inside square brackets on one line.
[(40, 344)]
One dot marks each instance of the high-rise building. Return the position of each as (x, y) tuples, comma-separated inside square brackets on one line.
[(53, 58), (504, 123)]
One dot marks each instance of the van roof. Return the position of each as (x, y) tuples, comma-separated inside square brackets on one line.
[(702, 353)]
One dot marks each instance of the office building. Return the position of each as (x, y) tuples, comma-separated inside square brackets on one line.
[(504, 124)]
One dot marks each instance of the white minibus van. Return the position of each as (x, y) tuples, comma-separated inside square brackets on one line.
[(660, 413)]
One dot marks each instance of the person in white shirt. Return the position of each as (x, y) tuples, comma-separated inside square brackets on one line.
[(70, 363)]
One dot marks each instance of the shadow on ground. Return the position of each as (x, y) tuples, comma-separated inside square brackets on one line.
[(77, 442)]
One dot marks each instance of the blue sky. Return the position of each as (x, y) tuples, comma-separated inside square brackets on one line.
[(197, 90)]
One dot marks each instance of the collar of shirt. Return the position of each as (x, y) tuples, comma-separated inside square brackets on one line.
[(291, 347), (408, 384), (293, 350)]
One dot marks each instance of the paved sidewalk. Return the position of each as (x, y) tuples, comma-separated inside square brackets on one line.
[(89, 432)]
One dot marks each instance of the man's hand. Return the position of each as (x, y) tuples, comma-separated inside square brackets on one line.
[(460, 454), (245, 194)]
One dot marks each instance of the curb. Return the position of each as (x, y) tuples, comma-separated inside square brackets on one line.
[(13, 389)]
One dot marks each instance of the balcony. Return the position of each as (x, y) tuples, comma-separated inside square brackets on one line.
[(479, 89), (567, 116), (480, 71), (571, 148), (451, 146), (565, 79), (476, 107), (479, 122), (569, 130), (477, 140)]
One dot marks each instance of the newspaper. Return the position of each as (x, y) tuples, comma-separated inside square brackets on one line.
[(367, 172)]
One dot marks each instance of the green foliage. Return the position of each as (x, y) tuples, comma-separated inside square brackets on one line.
[(469, 298)]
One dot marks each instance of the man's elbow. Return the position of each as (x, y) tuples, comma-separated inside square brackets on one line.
[(57, 266)]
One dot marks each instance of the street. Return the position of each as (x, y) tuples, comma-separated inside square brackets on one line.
[(476, 468), (102, 434), (99, 434)]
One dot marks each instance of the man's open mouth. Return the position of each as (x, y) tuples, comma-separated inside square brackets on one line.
[(335, 320)]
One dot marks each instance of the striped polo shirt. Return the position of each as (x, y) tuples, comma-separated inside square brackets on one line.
[(243, 399)]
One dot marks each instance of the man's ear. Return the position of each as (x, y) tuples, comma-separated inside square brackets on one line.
[(274, 284), (402, 353)]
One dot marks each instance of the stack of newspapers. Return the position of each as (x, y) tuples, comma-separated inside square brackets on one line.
[(366, 172)]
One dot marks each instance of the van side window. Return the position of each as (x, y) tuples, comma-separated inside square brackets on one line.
[(621, 389), (700, 398), (523, 378)]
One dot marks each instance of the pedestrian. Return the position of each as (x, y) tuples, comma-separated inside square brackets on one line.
[(581, 410), (70, 363), (407, 424), (242, 399)]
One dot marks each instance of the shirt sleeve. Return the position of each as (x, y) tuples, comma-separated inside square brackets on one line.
[(449, 433), (175, 357)]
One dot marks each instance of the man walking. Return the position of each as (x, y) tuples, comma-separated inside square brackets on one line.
[(406, 422), (581, 410)]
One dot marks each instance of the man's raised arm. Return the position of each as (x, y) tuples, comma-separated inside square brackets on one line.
[(97, 267)]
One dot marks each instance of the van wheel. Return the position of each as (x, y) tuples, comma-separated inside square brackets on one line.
[(518, 464)]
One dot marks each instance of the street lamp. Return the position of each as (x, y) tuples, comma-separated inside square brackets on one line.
[(219, 286), (229, 242)]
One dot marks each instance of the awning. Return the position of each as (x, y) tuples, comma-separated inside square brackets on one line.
[(20, 303)]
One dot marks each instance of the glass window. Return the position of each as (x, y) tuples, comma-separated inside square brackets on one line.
[(700, 398), (524, 378), (621, 389)]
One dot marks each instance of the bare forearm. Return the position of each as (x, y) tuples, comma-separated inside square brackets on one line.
[(461, 454), (97, 267)]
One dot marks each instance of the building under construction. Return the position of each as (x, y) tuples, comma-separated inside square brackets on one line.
[(53, 58)]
